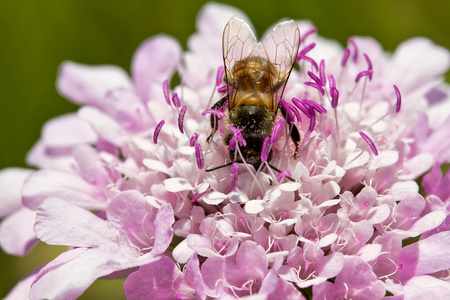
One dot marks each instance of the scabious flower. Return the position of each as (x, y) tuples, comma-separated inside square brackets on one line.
[(126, 184)]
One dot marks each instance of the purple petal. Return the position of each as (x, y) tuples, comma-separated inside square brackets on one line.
[(153, 62)]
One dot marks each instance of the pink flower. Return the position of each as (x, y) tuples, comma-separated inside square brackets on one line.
[(131, 184)]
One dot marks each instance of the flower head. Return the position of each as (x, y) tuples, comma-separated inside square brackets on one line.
[(142, 176)]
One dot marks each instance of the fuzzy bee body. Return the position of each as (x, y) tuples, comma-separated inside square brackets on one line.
[(256, 75)]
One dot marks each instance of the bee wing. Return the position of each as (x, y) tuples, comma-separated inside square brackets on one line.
[(281, 47), (238, 43)]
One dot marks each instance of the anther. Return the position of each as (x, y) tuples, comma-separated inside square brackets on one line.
[(265, 150), (193, 140), (199, 156), (323, 79), (222, 89), (166, 91), (181, 118), (362, 74), (369, 142), (305, 50), (276, 131), (213, 111), (308, 33), (157, 131), (234, 175), (176, 100), (219, 77), (399, 99), (355, 54), (316, 86), (345, 57)]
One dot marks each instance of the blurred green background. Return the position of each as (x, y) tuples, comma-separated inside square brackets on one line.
[(36, 36)]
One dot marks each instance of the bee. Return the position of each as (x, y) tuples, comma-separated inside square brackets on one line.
[(255, 75)]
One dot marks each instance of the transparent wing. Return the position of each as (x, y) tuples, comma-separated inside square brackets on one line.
[(238, 43), (281, 47)]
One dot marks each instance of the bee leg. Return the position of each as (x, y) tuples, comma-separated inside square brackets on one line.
[(214, 119), (295, 134)]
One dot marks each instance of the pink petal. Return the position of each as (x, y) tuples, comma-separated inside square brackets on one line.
[(429, 60), (88, 85), (426, 256), (105, 126), (11, 182), (153, 62), (68, 186), (70, 274), (22, 289), (67, 131), (17, 236), (90, 166), (39, 157), (158, 280), (193, 276), (360, 280), (59, 222), (207, 42)]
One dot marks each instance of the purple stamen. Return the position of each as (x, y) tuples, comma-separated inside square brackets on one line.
[(213, 111), (234, 175), (265, 149), (283, 174), (334, 97), (369, 142), (199, 156), (176, 100), (193, 139), (305, 50), (308, 33), (222, 89), (323, 79), (287, 109), (166, 91), (219, 77), (296, 113), (181, 118), (316, 86), (355, 55), (369, 62), (399, 99), (276, 131), (302, 107), (345, 57), (362, 74), (312, 121), (314, 77), (237, 137), (317, 107), (157, 131), (310, 60), (331, 82)]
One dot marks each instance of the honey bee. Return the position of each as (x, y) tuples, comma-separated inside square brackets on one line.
[(255, 75)]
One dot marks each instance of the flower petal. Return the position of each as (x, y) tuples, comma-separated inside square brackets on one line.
[(154, 61), (68, 186), (88, 85), (11, 182), (17, 236)]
